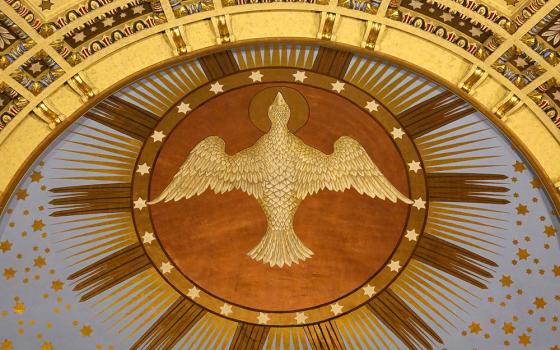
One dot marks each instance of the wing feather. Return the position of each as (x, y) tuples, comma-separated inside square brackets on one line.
[(349, 166), (209, 166)]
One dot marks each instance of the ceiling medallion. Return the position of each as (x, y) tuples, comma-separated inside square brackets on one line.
[(280, 194)]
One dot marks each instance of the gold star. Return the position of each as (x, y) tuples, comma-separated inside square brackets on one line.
[(475, 328), (555, 347), (522, 209), (86, 330), (57, 285), (5, 246), (523, 254), (549, 231), (9, 273), (39, 262), (36, 176), (47, 346), (22, 194), (518, 167), (508, 328), (6, 345), (556, 270), (539, 303), (506, 281), (19, 308), (524, 339), (38, 225)]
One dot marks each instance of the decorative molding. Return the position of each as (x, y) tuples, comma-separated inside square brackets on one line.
[(48, 114), (507, 106), (329, 24), (222, 28), (177, 39), (82, 86), (371, 34), (474, 77)]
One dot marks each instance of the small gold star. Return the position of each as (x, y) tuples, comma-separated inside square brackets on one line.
[(39, 262), (524, 339), (6, 344), (475, 328), (36, 176), (86, 330), (22, 194), (523, 254), (539, 303), (522, 209), (9, 273), (518, 167), (57, 285), (556, 270), (508, 328), (506, 281), (5, 246), (38, 225), (19, 308), (549, 231)]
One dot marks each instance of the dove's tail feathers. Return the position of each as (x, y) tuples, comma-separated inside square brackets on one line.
[(279, 248)]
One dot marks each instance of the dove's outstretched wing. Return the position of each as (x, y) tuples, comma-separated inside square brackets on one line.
[(348, 166), (208, 166)]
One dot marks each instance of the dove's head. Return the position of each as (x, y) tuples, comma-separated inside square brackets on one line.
[(279, 112)]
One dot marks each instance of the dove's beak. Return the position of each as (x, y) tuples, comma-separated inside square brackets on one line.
[(279, 100)]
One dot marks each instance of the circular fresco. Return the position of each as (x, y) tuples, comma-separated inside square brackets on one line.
[(281, 196)]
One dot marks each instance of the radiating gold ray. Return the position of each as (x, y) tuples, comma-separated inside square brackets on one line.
[(103, 221), (418, 278), (399, 97), (383, 83), (97, 170), (462, 241), (435, 272), (146, 100), (392, 92), (430, 292), (121, 145), (455, 153), (141, 292), (435, 205), (408, 294), (364, 321), (436, 135), (119, 227), (106, 149), (458, 217), (375, 324), (412, 99), (434, 148), (386, 91), (99, 238), (157, 306), (124, 243), (148, 294), (125, 160), (413, 266), (418, 298), (441, 224), (311, 57), (431, 163), (131, 141), (462, 167), (144, 276), (97, 162)]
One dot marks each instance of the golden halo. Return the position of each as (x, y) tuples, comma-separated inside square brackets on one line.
[(299, 109)]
